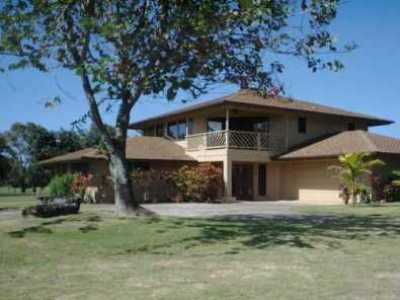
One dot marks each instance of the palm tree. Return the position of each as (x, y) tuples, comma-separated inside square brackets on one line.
[(352, 168)]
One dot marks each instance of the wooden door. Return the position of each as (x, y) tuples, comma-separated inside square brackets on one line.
[(242, 181)]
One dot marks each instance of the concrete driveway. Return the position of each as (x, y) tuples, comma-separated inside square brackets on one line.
[(245, 208)]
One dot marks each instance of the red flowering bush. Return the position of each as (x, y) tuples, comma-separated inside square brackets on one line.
[(199, 183), (80, 183)]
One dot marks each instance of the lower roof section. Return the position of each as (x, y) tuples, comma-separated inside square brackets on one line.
[(137, 148), (346, 142)]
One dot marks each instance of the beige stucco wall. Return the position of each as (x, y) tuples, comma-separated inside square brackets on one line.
[(305, 181), (317, 126)]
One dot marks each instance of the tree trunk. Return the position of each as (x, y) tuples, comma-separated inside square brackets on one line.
[(125, 203), (353, 194)]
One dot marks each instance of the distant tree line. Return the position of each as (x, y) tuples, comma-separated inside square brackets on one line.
[(23, 146)]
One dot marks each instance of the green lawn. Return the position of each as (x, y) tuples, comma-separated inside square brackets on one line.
[(354, 255), (13, 198)]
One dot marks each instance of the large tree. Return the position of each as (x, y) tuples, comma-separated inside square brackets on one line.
[(123, 50), (26, 145), (5, 164)]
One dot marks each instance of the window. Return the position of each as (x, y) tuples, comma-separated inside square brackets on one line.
[(177, 130), (351, 126), (138, 166), (302, 125), (190, 125), (160, 130), (262, 179), (215, 124), (261, 125), (148, 131)]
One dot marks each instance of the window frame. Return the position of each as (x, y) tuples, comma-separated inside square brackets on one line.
[(302, 125)]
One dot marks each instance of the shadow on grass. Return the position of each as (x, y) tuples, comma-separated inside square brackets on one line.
[(43, 227), (300, 232), (33, 229), (242, 233)]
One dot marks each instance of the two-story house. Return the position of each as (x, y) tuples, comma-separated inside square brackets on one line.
[(270, 148)]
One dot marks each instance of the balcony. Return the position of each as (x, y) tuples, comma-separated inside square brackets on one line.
[(247, 140)]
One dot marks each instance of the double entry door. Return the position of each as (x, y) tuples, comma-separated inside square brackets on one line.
[(242, 181)]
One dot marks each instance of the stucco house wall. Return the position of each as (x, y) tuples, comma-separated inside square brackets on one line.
[(318, 126)]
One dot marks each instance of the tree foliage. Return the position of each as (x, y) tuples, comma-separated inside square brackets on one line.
[(122, 50), (23, 146), (396, 181)]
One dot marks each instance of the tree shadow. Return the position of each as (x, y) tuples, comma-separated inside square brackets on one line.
[(43, 226), (88, 228), (33, 229), (299, 232)]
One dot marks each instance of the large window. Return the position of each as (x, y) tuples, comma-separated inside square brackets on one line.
[(148, 131), (262, 179), (190, 125), (351, 126), (177, 130), (261, 125), (302, 125), (138, 166), (159, 130), (215, 124)]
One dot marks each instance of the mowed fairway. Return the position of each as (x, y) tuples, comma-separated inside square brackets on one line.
[(353, 255)]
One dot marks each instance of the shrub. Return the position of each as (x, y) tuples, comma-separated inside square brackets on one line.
[(199, 183), (61, 186), (153, 185), (392, 192), (80, 184)]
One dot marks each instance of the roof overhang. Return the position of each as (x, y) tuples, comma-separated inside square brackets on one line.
[(230, 100)]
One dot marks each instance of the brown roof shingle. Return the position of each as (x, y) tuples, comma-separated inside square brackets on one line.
[(347, 142), (249, 97), (140, 148)]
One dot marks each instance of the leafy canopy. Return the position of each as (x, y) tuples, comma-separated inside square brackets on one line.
[(125, 49)]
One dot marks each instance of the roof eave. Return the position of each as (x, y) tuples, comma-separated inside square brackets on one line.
[(139, 124)]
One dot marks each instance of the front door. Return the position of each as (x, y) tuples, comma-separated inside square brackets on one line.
[(242, 181)]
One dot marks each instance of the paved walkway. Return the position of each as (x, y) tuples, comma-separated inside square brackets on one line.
[(251, 209)]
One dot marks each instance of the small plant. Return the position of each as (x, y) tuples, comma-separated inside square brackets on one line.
[(392, 192), (61, 186)]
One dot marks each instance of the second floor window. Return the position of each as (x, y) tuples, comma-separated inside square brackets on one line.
[(215, 124), (177, 130), (351, 126), (159, 130), (302, 125)]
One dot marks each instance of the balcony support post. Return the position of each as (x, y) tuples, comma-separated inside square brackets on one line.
[(227, 128), (258, 141), (227, 172)]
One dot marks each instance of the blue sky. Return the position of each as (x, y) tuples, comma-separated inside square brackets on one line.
[(370, 82)]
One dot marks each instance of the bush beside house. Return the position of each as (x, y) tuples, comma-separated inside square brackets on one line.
[(201, 183)]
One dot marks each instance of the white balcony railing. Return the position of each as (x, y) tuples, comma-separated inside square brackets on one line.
[(235, 139)]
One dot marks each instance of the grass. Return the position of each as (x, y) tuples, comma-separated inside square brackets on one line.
[(353, 254), (11, 198)]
